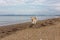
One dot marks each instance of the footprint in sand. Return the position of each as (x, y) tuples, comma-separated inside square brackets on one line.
[(14, 29), (8, 31), (43, 24), (3, 32)]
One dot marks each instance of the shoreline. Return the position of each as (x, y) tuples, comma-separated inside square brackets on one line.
[(22, 22)]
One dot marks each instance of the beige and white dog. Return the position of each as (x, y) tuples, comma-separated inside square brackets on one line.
[(34, 20)]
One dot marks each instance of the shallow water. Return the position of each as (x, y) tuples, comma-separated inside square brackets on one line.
[(7, 20)]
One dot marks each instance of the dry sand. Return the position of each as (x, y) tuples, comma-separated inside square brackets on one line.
[(44, 30)]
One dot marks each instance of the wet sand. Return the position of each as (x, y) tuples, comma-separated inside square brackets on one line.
[(46, 30)]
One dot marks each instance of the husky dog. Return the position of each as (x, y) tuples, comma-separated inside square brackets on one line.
[(34, 20)]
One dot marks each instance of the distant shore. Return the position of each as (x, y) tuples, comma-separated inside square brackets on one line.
[(11, 29)]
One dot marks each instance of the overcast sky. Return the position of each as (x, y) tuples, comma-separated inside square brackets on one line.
[(49, 7)]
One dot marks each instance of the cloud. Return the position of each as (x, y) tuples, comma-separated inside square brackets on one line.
[(35, 2), (20, 2), (11, 2), (24, 11), (31, 6), (56, 6), (53, 4)]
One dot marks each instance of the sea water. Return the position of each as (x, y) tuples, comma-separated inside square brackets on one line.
[(8, 20)]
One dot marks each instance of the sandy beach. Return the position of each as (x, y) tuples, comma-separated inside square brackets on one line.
[(44, 30)]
